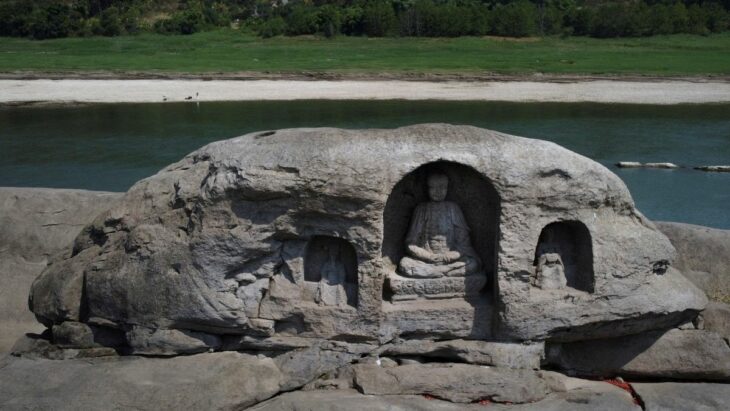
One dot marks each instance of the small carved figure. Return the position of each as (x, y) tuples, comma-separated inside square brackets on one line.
[(438, 244), (331, 287), (550, 272)]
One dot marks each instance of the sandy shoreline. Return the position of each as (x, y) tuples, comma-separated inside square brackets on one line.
[(23, 91)]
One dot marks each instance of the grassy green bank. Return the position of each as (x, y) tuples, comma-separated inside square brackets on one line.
[(231, 51)]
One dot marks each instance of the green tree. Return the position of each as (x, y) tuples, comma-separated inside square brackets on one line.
[(517, 19), (379, 18), (110, 22)]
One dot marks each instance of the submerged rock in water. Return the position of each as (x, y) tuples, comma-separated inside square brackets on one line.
[(635, 164), (719, 169)]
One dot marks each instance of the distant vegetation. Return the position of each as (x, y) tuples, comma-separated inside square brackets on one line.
[(43, 19)]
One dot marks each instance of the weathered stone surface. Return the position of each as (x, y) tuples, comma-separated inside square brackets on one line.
[(498, 354), (716, 318), (36, 347), (454, 382), (305, 365), (219, 381), (683, 396), (703, 256), (677, 354), (73, 334), (36, 223), (231, 240), (600, 399), (170, 342)]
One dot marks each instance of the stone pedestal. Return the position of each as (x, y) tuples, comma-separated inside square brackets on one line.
[(405, 288)]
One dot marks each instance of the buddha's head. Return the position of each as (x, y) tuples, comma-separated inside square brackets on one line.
[(438, 186)]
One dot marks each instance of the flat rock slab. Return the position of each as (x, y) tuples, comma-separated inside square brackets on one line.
[(677, 354), (218, 381), (681, 397), (498, 354), (454, 382), (608, 399)]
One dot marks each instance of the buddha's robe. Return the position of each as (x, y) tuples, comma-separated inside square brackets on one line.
[(438, 243)]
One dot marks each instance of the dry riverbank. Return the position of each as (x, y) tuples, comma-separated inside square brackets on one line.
[(651, 91)]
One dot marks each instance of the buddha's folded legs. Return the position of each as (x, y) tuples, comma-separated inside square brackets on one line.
[(410, 267), (413, 268)]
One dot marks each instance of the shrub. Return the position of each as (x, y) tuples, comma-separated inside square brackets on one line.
[(352, 21), (518, 19), (330, 20), (618, 19), (302, 20), (275, 26), (379, 19), (183, 22), (110, 23), (54, 21), (14, 18)]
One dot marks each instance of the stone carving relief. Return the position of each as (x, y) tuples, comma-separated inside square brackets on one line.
[(330, 271)]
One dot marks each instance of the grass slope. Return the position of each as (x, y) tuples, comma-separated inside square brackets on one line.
[(230, 51)]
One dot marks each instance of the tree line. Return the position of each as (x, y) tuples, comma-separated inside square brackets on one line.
[(42, 19)]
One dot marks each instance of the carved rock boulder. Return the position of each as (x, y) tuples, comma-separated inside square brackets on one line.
[(300, 232)]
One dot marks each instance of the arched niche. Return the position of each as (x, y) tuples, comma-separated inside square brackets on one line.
[(565, 246), (330, 271), (473, 192)]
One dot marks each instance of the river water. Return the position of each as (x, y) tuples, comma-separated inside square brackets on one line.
[(109, 147)]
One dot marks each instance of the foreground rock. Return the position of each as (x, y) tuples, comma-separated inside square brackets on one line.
[(675, 354), (499, 354), (454, 382), (681, 397), (703, 256), (605, 398), (35, 224), (218, 381), (429, 232)]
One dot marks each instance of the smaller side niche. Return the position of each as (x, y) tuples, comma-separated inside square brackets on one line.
[(330, 271), (564, 257)]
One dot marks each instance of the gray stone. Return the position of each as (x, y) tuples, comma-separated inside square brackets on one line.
[(716, 318), (722, 169), (670, 396), (72, 334), (598, 399), (305, 365), (351, 400), (225, 241), (498, 354), (676, 354), (277, 343), (454, 382), (703, 256), (145, 341), (36, 223), (635, 164), (218, 381), (36, 347)]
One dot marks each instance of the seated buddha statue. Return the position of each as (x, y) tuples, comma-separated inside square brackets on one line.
[(437, 243)]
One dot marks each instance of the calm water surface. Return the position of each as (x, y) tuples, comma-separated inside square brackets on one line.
[(109, 147)]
